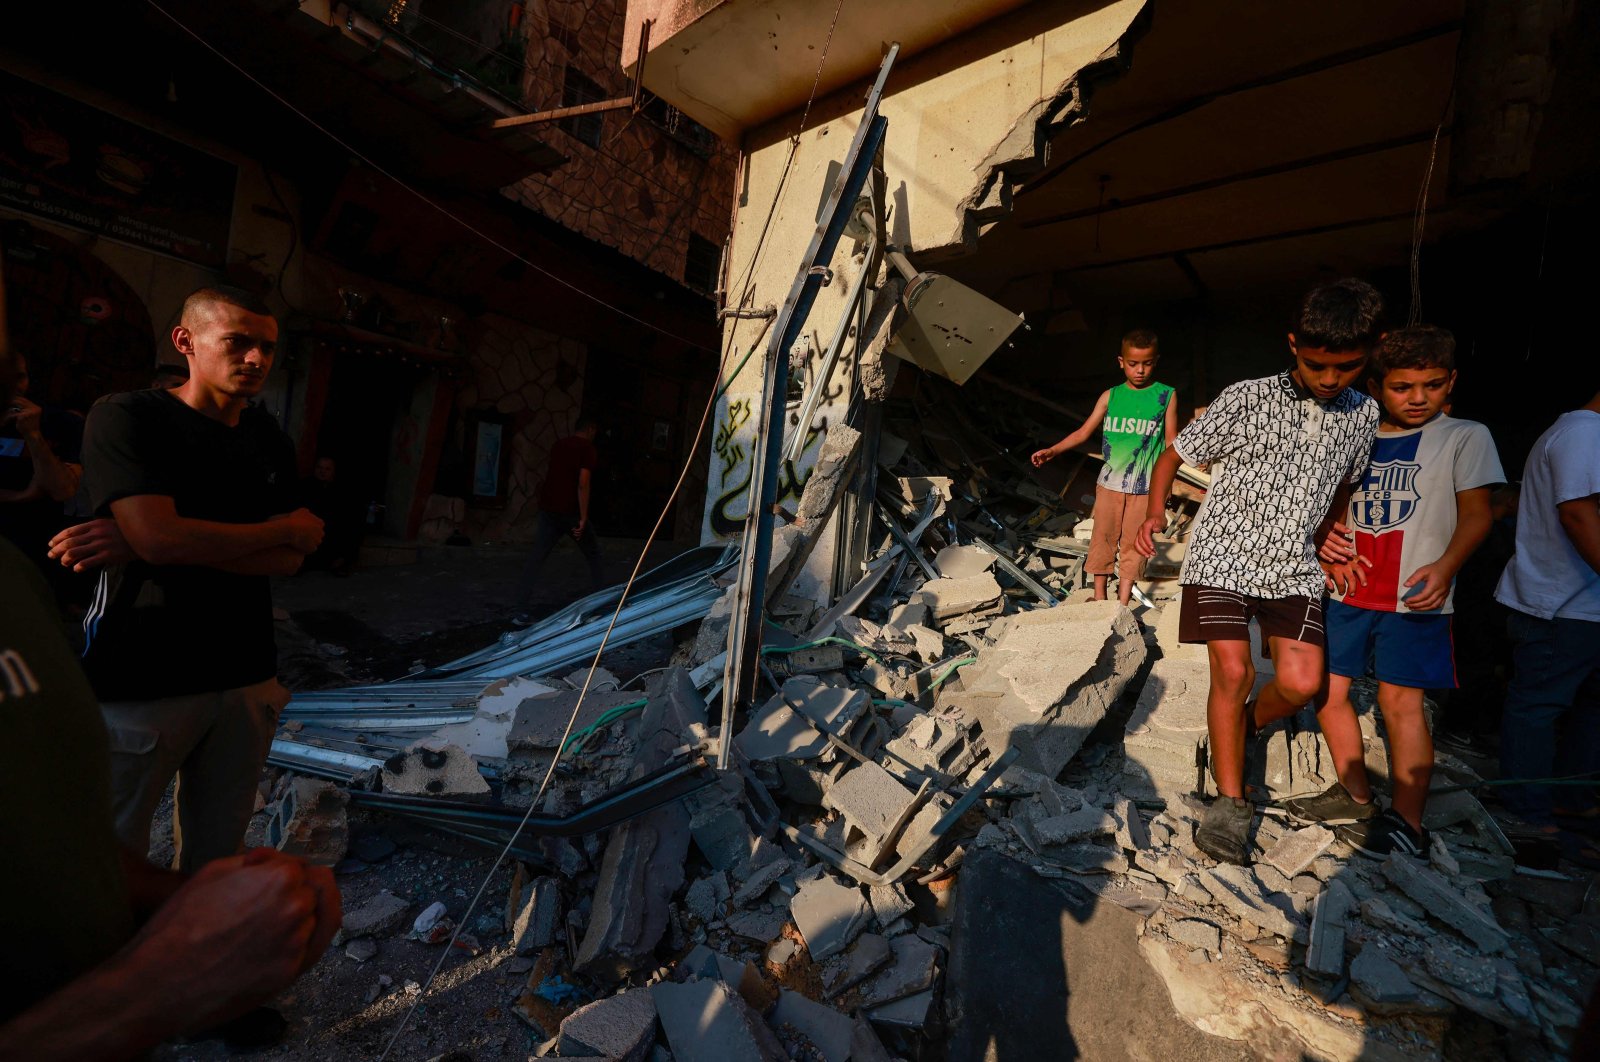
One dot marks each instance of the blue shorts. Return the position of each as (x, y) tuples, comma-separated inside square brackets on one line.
[(1412, 649)]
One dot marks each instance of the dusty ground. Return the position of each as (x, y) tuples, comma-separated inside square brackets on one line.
[(376, 624)]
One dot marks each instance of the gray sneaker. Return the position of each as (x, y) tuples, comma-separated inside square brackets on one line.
[(1224, 833), (1333, 806)]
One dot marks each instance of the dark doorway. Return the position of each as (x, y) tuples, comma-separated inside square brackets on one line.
[(366, 395)]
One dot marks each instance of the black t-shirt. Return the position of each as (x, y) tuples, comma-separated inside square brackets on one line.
[(64, 904), (167, 630)]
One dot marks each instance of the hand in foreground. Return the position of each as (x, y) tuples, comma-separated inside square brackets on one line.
[(26, 416), (577, 532), (305, 530), (239, 931), (1336, 543), (92, 544), (1345, 577), (1432, 583), (1146, 540), (1041, 456)]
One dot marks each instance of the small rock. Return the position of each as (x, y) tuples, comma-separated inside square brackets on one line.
[(361, 949), (782, 951)]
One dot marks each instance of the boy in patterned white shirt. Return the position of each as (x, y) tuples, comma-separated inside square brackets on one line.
[(1420, 512), (1287, 450)]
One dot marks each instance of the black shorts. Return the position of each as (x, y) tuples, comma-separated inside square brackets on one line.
[(1211, 615)]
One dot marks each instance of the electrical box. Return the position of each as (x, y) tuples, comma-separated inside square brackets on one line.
[(949, 329)]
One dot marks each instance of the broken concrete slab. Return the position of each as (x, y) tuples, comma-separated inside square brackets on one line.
[(540, 921), (706, 1021), (929, 644), (1241, 892), (311, 821), (963, 562), (948, 598), (909, 1012), (1380, 978), (869, 954), (434, 769), (760, 880), (914, 612), (620, 1027), (760, 924), (485, 735), (722, 834), (911, 970), (888, 902), (824, 1028), (702, 962), (379, 916), (1048, 679), (786, 726), (705, 896), (1325, 955), (541, 722), (643, 865), (1294, 852), (829, 915), (1132, 835), (1443, 901), (870, 798), (1075, 826)]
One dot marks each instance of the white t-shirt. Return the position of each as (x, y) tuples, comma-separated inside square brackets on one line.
[(1403, 511), (1281, 455), (1546, 577)]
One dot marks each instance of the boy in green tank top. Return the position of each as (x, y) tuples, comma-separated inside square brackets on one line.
[(1137, 420)]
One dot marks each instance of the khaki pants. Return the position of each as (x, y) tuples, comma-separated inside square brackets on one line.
[(1117, 517), (215, 743)]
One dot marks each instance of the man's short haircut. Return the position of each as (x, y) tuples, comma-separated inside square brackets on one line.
[(224, 293), (1141, 339), (1414, 347), (1342, 315)]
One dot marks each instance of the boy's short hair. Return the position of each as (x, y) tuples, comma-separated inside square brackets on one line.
[(1414, 347), (1341, 315), (1140, 339)]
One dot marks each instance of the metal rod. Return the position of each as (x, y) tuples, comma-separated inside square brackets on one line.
[(830, 358), (632, 100)]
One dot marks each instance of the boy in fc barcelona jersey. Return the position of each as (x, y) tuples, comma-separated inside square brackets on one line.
[(1417, 515), (1137, 420)]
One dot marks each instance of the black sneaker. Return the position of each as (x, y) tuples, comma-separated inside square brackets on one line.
[(1224, 832), (1385, 835), (1333, 806)]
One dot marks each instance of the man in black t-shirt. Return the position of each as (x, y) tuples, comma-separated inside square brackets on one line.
[(192, 491)]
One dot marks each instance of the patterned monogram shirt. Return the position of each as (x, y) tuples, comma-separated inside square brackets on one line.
[(1278, 455)]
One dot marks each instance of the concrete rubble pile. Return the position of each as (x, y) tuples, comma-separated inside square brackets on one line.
[(955, 698)]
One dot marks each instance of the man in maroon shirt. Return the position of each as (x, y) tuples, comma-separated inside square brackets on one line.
[(564, 510)]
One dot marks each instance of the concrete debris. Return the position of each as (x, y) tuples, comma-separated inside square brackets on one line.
[(791, 724), (706, 1021), (949, 598), (782, 951), (486, 734), (1241, 892), (826, 1030), (722, 835), (538, 923), (1437, 897), (1295, 851), (540, 723), (869, 954), (1090, 822), (1196, 934), (963, 562), (889, 902), (1380, 978), (434, 768), (870, 799), (829, 915), (378, 917), (311, 821), (621, 1027), (643, 865), (706, 896), (910, 971), (762, 879)]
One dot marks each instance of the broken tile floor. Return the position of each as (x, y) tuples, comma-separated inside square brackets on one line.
[(843, 893)]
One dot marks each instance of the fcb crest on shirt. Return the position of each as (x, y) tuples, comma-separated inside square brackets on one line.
[(1387, 497)]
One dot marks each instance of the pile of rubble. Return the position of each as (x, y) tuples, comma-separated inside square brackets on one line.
[(960, 697)]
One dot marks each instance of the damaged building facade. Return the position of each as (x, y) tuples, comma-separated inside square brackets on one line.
[(435, 276)]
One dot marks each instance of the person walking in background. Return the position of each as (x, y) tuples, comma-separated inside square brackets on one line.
[(564, 510)]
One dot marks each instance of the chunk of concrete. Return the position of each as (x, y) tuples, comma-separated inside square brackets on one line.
[(870, 798), (760, 880), (1132, 834), (539, 922), (962, 562), (786, 726), (311, 821), (485, 735), (760, 924), (911, 970), (1239, 890), (1075, 826), (1047, 680), (929, 644), (1443, 901), (379, 916), (541, 722), (706, 895), (434, 769), (643, 865), (915, 611), (824, 1028), (1195, 933), (706, 1021), (621, 1027), (948, 598), (888, 902), (1325, 955), (1294, 852), (829, 915), (869, 954), (702, 962), (1380, 977)]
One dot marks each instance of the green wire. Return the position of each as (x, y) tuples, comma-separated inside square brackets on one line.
[(830, 640), (950, 669), (611, 716)]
